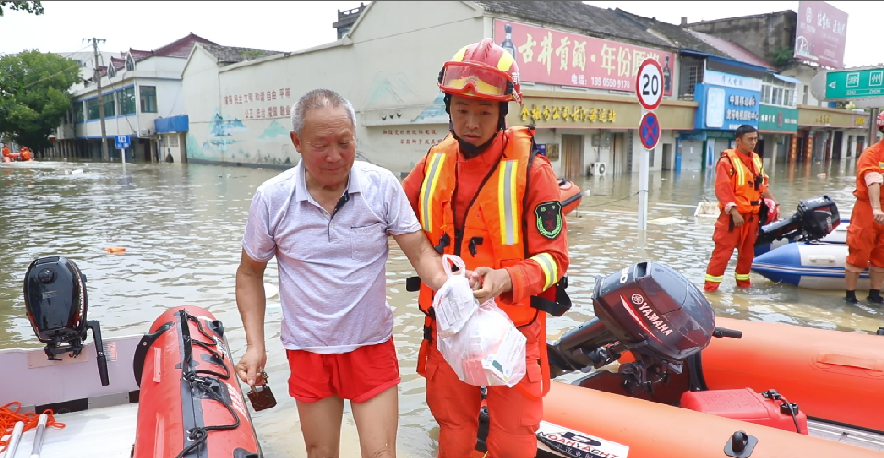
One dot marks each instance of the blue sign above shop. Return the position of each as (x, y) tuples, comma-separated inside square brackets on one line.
[(725, 108)]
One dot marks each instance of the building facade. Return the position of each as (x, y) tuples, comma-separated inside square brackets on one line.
[(823, 131), (578, 76), (138, 88)]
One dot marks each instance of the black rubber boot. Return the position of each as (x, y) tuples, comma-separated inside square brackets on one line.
[(875, 296), (850, 298)]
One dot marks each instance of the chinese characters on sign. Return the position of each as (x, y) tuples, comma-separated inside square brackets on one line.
[(821, 34), (569, 59), (416, 137), (574, 113), (271, 100), (738, 114), (823, 119)]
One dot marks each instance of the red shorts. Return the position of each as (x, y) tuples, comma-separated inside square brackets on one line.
[(358, 375)]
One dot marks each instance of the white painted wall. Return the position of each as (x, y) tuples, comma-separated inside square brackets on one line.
[(397, 105)]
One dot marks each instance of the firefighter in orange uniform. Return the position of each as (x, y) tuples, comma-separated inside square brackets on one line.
[(6, 152), (740, 186), (484, 194), (865, 235), (26, 154)]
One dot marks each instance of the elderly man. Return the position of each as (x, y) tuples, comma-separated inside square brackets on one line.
[(327, 222)]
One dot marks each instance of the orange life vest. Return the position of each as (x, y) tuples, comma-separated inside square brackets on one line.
[(862, 189), (492, 234), (748, 187)]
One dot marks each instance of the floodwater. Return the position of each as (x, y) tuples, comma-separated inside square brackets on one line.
[(182, 227)]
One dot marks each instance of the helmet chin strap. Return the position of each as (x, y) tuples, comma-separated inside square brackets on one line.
[(470, 150)]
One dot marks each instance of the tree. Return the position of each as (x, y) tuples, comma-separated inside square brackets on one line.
[(31, 7), (34, 95)]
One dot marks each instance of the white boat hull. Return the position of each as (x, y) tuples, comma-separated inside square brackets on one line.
[(807, 265)]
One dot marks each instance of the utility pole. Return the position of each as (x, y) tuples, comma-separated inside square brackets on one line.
[(97, 78)]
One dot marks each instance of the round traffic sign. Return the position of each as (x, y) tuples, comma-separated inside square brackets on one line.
[(649, 84), (649, 130)]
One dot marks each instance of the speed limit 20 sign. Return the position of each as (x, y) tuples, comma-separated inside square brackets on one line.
[(649, 84)]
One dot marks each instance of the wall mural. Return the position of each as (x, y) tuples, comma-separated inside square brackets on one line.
[(433, 114), (389, 91), (221, 133)]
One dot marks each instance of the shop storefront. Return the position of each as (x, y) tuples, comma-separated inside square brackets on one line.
[(776, 126), (720, 110), (596, 134), (828, 133)]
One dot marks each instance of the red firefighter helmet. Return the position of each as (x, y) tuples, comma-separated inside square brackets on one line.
[(483, 70)]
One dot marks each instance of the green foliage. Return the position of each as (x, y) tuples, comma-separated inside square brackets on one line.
[(34, 95), (31, 7), (782, 57)]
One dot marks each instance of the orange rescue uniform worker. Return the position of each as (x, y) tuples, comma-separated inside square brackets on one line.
[(865, 236), (25, 154), (6, 151), (740, 186), (484, 194)]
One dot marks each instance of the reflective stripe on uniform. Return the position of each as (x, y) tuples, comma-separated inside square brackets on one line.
[(713, 278), (506, 202), (549, 267), (428, 187), (741, 277)]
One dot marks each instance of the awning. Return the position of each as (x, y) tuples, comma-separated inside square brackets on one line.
[(787, 79)]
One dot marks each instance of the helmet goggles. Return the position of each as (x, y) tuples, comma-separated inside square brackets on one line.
[(476, 79)]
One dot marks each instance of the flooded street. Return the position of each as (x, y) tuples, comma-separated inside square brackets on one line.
[(182, 227)]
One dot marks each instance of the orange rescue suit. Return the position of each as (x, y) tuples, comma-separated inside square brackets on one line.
[(487, 211), (739, 179), (865, 239)]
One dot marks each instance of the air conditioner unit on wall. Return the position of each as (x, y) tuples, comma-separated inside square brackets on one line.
[(145, 133), (596, 168)]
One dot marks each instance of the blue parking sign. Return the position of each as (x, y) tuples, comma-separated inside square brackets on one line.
[(122, 141)]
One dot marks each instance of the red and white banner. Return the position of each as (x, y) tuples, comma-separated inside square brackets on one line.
[(570, 59)]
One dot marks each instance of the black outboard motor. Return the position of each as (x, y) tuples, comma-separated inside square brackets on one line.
[(648, 309), (56, 302), (816, 218)]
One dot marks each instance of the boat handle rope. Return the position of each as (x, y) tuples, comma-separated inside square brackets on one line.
[(200, 383), (217, 358)]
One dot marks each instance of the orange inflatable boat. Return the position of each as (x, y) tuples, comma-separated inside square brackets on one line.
[(693, 385), (190, 403), (569, 195)]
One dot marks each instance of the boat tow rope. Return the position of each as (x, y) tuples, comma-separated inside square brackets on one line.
[(203, 383), (9, 417)]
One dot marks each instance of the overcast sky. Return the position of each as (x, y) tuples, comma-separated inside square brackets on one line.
[(293, 25)]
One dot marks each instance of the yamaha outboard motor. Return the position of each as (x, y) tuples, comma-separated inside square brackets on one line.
[(56, 302), (816, 218), (647, 309)]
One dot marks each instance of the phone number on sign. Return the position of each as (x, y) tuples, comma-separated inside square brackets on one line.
[(610, 82)]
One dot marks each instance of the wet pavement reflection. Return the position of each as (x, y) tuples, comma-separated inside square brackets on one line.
[(182, 227)]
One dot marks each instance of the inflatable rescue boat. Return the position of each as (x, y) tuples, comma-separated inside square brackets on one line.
[(807, 265), (190, 403), (838, 236), (693, 385)]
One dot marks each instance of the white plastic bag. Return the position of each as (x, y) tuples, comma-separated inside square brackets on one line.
[(454, 303), (488, 351)]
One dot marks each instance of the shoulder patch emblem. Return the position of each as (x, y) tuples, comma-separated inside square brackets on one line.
[(549, 219)]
